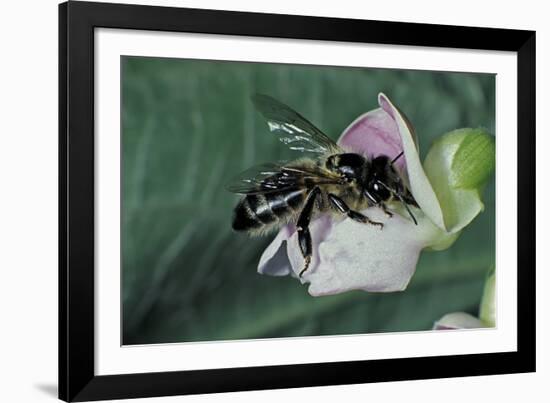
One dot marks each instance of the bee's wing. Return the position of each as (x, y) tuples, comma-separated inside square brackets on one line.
[(276, 177), (292, 128), (255, 179)]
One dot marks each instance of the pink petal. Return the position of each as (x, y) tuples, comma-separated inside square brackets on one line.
[(372, 134), (387, 131)]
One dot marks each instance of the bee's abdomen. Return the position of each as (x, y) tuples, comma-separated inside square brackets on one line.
[(256, 211)]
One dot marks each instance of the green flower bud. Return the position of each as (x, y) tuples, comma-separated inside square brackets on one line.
[(458, 166), (487, 308)]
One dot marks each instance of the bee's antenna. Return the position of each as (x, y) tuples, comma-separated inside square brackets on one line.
[(400, 199), (407, 208), (396, 158)]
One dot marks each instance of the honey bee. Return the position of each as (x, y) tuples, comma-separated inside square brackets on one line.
[(334, 181)]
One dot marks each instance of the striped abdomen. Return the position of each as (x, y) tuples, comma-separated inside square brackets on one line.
[(265, 211)]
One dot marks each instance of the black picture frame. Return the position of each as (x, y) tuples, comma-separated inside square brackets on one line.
[(77, 378)]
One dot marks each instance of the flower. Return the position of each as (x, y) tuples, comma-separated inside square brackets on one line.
[(348, 255), (458, 320), (463, 320)]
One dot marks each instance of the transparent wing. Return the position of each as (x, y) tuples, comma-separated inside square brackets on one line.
[(256, 179), (276, 177), (292, 128)]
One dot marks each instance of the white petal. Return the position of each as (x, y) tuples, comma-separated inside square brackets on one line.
[(354, 255), (458, 320), (319, 229), (274, 260), (421, 187)]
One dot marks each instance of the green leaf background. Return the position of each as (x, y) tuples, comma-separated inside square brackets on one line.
[(188, 127)]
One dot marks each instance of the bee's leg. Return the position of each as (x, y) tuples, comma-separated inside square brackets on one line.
[(386, 211), (304, 237), (342, 207)]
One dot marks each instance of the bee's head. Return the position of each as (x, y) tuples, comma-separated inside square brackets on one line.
[(377, 192), (380, 175), (349, 165)]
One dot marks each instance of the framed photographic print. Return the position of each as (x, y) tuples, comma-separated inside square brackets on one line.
[(258, 201)]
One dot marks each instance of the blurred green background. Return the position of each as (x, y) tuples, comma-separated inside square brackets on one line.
[(188, 127)]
